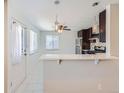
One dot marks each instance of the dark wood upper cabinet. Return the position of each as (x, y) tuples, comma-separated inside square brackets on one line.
[(80, 33), (102, 26), (87, 33)]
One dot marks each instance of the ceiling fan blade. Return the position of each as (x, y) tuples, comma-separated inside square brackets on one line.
[(68, 29), (65, 26)]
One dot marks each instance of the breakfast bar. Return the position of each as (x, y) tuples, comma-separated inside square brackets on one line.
[(77, 57)]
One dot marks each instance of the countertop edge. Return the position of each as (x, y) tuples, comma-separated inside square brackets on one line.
[(77, 57)]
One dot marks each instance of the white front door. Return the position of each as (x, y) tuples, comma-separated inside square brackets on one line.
[(18, 56)]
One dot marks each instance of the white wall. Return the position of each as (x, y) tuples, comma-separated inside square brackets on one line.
[(66, 42), (112, 29), (114, 34)]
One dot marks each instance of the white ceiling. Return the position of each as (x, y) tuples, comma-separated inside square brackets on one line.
[(77, 14)]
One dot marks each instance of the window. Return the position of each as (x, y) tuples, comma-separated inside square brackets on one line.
[(33, 41), (17, 39), (52, 42)]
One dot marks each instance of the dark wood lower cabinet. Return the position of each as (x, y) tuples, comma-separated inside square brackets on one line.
[(85, 45), (102, 37)]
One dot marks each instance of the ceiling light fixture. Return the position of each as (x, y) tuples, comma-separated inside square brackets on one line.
[(95, 26), (56, 2), (95, 4)]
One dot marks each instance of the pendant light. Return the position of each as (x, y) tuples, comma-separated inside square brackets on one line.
[(95, 26)]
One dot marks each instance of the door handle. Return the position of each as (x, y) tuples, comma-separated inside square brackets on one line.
[(25, 54)]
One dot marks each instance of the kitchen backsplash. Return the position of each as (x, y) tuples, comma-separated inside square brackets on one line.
[(92, 45)]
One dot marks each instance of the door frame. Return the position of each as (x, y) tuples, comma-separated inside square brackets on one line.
[(6, 52)]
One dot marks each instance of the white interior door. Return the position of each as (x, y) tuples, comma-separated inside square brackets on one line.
[(18, 54)]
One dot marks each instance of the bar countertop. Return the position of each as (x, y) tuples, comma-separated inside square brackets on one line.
[(98, 56)]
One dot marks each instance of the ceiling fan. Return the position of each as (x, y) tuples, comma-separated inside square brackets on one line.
[(63, 27), (60, 27)]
